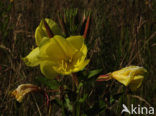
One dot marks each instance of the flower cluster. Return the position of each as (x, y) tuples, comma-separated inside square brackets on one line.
[(56, 54)]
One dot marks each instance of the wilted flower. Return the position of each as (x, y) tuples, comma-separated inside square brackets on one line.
[(57, 55), (131, 76), (24, 89)]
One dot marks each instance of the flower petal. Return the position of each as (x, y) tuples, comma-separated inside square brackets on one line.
[(32, 59), (44, 41), (138, 70), (128, 74), (136, 83), (84, 50), (123, 77), (47, 70), (81, 66), (135, 69), (80, 56), (41, 32), (76, 41), (58, 48)]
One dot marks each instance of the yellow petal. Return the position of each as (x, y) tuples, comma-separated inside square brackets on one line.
[(84, 50), (76, 41), (79, 59), (128, 74), (57, 48), (81, 66), (47, 70), (32, 59), (135, 69), (140, 70), (44, 41), (80, 56), (124, 78), (136, 82), (41, 32)]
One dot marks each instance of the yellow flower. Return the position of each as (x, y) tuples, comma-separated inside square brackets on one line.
[(131, 76), (58, 55), (24, 89)]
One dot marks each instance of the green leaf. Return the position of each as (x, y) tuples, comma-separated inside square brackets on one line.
[(112, 100), (102, 104), (81, 100), (94, 72), (79, 86), (68, 104), (51, 84)]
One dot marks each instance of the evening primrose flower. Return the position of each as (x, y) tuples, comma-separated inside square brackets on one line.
[(24, 89), (58, 55), (131, 76)]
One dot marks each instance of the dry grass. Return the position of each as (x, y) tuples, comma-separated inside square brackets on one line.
[(121, 33)]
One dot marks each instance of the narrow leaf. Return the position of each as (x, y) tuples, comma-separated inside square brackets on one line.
[(94, 72)]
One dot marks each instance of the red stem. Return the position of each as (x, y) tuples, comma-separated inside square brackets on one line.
[(74, 79), (86, 27)]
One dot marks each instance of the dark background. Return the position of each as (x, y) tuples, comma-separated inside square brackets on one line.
[(121, 33)]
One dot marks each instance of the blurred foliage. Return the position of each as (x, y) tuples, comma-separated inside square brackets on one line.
[(121, 33)]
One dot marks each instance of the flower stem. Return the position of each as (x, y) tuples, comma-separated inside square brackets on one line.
[(75, 80)]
